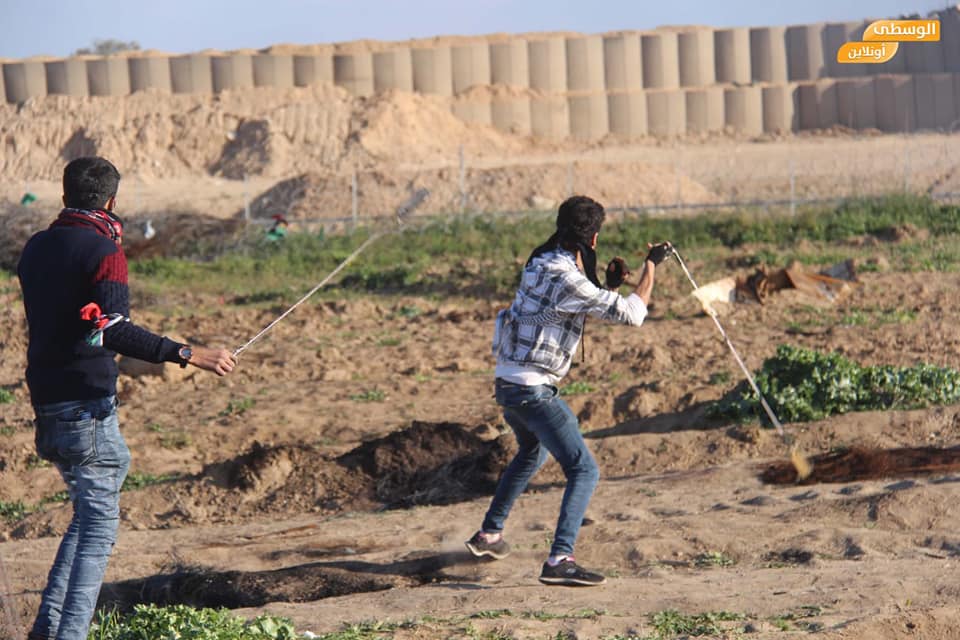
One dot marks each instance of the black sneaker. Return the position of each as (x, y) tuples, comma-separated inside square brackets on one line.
[(480, 547), (569, 573)]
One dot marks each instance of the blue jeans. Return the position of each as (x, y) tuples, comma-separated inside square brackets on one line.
[(544, 423), (82, 439)]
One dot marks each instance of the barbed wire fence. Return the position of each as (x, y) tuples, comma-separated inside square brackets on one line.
[(748, 177)]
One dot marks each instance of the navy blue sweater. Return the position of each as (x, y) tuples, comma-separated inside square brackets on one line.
[(74, 262)]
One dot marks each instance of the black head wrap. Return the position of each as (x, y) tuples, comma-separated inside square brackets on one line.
[(578, 220)]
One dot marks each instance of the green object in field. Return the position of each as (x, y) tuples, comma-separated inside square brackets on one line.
[(28, 198)]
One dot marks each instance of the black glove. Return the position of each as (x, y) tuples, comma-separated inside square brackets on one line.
[(660, 252), (617, 271)]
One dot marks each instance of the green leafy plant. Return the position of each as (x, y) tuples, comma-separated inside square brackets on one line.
[(13, 511), (181, 621), (237, 407), (719, 377), (6, 396), (575, 388), (137, 480), (713, 559), (369, 395), (671, 623), (803, 384)]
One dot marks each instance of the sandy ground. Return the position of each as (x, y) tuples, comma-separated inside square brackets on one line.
[(277, 505)]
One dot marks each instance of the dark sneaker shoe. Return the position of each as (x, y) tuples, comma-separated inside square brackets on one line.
[(569, 573), (479, 547)]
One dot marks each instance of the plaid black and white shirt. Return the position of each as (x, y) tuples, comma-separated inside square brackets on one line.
[(535, 339)]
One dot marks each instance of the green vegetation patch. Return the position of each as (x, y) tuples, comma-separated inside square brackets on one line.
[(148, 622), (480, 256), (802, 384)]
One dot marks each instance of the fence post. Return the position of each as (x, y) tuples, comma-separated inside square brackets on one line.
[(463, 181), (793, 190), (677, 199), (353, 198), (246, 199), (906, 169)]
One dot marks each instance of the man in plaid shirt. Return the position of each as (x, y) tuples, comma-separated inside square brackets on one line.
[(534, 343)]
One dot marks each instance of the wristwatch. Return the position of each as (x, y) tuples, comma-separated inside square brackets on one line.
[(185, 353)]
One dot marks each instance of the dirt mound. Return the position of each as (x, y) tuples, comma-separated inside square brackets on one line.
[(17, 224), (250, 132), (429, 464), (864, 464), (234, 589), (425, 464), (515, 188)]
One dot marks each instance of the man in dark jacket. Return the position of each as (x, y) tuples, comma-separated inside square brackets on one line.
[(74, 281)]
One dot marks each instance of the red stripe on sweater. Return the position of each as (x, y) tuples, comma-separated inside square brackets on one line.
[(113, 268)]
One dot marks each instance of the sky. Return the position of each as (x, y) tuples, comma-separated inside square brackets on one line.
[(60, 27)]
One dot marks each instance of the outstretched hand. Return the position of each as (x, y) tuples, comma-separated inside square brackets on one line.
[(219, 361), (659, 252)]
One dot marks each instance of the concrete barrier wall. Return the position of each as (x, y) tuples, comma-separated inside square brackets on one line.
[(475, 110), (512, 114), (510, 63), (549, 117), (432, 71), (934, 101), (589, 116), (628, 113), (731, 53), (585, 69), (856, 103), (696, 58), (743, 109), (895, 103), (108, 77), (950, 39), (354, 72), (923, 57), (394, 70), (24, 80), (470, 66), (231, 72), (150, 73), (191, 74), (622, 64), (818, 104), (956, 95), (768, 55), (780, 109), (309, 70), (273, 71), (705, 110), (661, 60), (805, 59), (835, 34), (666, 112), (67, 77), (548, 65)]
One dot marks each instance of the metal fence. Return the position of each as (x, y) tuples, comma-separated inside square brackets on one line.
[(774, 175)]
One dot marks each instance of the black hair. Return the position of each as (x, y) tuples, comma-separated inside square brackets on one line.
[(89, 183), (579, 218)]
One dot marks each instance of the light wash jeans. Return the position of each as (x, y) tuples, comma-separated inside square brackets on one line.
[(544, 423), (82, 439)]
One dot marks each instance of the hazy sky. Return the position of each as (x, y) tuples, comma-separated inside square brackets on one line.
[(59, 27)]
